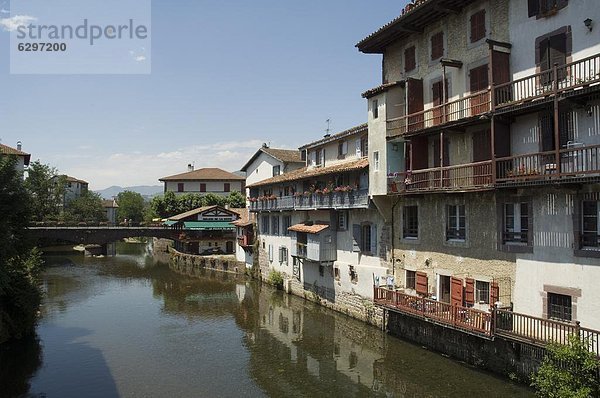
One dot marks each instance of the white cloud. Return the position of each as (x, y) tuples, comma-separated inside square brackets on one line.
[(4, 11), (134, 168), (11, 24)]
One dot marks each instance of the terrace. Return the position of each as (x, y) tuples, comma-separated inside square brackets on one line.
[(343, 198)]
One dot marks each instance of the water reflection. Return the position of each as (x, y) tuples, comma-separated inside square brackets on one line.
[(131, 326)]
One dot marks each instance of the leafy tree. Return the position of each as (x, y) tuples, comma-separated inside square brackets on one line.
[(19, 264), (131, 206), (568, 371), (190, 201), (236, 199), (46, 190), (210, 199), (87, 207)]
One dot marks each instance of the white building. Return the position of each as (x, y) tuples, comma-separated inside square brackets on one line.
[(110, 207), (203, 181), (270, 162), (23, 158)]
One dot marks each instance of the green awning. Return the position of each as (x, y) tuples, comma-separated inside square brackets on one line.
[(169, 223), (208, 225)]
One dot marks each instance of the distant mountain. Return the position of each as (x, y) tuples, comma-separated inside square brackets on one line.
[(144, 190)]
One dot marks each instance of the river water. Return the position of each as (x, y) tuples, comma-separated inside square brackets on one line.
[(129, 326)]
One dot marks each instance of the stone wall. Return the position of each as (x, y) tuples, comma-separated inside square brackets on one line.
[(513, 359), (189, 262)]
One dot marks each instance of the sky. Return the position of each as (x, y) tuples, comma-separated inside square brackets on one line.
[(225, 76)]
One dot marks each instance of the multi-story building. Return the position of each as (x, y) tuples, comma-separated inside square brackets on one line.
[(316, 224), (23, 158), (203, 181), (486, 129), (270, 162), (72, 188)]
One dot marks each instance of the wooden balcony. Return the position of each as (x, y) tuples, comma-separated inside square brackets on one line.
[(472, 176), (580, 76), (356, 199), (245, 240)]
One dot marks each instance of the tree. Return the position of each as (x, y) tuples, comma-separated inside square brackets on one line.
[(46, 190), (236, 199), (131, 206), (19, 263), (210, 199), (87, 207), (568, 371)]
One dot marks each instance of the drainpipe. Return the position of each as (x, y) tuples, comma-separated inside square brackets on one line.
[(393, 240)]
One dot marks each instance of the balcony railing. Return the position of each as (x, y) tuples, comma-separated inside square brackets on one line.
[(560, 79), (302, 250), (461, 177), (245, 240), (333, 200)]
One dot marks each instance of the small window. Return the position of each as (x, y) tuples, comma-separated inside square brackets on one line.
[(559, 307), (319, 157), (353, 274), (336, 273), (375, 105), (342, 220), (411, 279), (482, 292), (275, 225), (366, 238), (437, 46), (342, 149), (477, 23), (364, 146), (226, 187), (303, 155), (410, 59), (455, 222), (202, 187), (287, 222), (410, 222), (264, 225), (376, 161), (516, 223), (283, 255), (180, 187), (276, 170)]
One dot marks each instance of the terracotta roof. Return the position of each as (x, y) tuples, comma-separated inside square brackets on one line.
[(354, 130), (380, 89), (73, 179), (199, 210), (244, 219), (283, 155), (207, 173), (307, 172), (414, 18), (309, 229), (109, 203), (7, 150)]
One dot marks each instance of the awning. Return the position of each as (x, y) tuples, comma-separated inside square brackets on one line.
[(209, 225), (309, 229), (169, 223)]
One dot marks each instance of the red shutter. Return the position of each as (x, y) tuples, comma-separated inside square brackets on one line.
[(456, 291), (410, 61), (477, 26), (415, 104), (437, 45), (421, 283), (494, 293), (470, 291)]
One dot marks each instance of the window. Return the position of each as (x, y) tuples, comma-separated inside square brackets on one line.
[(202, 187), (264, 225), (437, 45), (516, 223), (180, 187), (321, 270), (482, 292), (589, 223), (366, 238), (410, 59), (275, 225), (364, 146), (478, 78), (319, 157), (455, 222), (287, 222), (477, 23), (336, 273), (303, 155), (276, 170), (537, 8), (551, 50), (353, 274), (411, 280), (559, 307), (283, 255), (226, 187), (342, 149), (375, 110), (410, 222), (342, 220), (376, 161), (271, 253)]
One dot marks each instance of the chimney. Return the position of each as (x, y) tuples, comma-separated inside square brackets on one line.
[(265, 145), (190, 167), (19, 145)]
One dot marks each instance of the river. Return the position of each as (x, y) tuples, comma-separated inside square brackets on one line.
[(129, 326)]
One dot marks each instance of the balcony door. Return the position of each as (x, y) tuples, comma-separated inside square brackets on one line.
[(439, 97), (415, 104), (478, 81), (482, 151)]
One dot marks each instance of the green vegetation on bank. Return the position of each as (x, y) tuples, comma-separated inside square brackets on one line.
[(19, 262), (170, 204)]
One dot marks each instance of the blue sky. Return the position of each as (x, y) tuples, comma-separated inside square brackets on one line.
[(225, 77)]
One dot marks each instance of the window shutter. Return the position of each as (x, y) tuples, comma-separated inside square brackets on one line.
[(356, 239), (313, 158), (533, 7), (344, 147), (374, 239), (456, 291), (270, 252), (470, 291), (281, 254), (494, 293), (358, 154), (421, 283)]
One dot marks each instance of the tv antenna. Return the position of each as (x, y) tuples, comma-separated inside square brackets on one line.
[(328, 129)]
